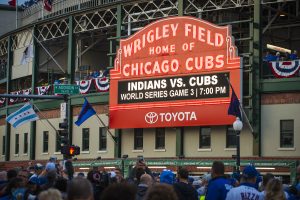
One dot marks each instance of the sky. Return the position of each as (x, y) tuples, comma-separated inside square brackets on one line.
[(6, 1)]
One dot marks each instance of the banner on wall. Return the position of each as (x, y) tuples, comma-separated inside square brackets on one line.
[(174, 73)]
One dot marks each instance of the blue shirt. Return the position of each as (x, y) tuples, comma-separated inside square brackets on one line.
[(217, 188)]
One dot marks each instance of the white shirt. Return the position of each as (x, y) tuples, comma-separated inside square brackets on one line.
[(244, 192)]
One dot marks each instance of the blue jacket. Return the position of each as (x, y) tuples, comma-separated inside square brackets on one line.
[(217, 188)]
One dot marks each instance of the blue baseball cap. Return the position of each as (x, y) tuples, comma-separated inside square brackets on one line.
[(167, 177), (250, 172), (38, 166), (50, 166)]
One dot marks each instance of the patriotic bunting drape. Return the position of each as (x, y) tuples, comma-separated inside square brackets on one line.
[(102, 84), (27, 92), (2, 101), (43, 90), (84, 86), (285, 69)]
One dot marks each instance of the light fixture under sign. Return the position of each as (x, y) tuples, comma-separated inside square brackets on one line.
[(266, 168), (109, 167), (203, 167), (157, 167), (84, 168)]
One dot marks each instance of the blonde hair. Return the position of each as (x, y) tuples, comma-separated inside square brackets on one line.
[(50, 194), (274, 190)]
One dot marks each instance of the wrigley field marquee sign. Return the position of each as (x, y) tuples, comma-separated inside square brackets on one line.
[(174, 73)]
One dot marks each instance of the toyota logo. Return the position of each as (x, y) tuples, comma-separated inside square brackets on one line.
[(151, 117)]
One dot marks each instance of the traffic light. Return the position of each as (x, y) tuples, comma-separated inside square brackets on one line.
[(70, 150), (63, 133), (63, 125)]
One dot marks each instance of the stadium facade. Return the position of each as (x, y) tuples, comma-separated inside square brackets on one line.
[(83, 38)]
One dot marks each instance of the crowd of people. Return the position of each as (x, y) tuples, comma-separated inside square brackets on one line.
[(280, 57), (52, 182)]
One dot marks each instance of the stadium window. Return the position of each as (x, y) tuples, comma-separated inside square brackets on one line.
[(102, 138), (85, 139), (57, 144), (25, 147), (138, 138), (286, 133), (3, 145), (45, 141), (159, 138), (230, 137), (204, 137), (17, 144)]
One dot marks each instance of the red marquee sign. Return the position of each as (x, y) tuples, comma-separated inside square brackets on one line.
[(174, 73)]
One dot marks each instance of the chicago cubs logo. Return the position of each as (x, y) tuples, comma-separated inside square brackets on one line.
[(151, 117)]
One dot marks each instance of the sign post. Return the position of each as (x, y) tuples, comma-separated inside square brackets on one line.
[(66, 89), (63, 110)]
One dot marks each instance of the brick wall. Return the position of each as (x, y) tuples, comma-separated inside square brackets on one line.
[(2, 120), (281, 98)]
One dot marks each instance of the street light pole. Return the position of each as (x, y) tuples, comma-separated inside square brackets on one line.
[(238, 126), (238, 154)]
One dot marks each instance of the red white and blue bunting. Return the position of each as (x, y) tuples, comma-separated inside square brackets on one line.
[(14, 100), (285, 69), (43, 90), (26, 92), (102, 84), (2, 101), (84, 86)]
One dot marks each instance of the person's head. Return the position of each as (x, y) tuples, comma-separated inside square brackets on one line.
[(267, 177), (94, 176), (24, 175), (3, 176), (250, 174), (38, 168), (80, 189), (161, 192), (50, 166), (205, 179), (140, 164), (274, 189), (139, 173), (197, 184), (217, 169), (146, 179), (119, 175), (52, 159), (119, 191), (167, 176), (80, 174), (12, 173), (50, 194), (183, 174)]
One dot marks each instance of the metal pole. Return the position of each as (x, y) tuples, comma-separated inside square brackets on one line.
[(17, 14), (238, 156), (31, 96), (111, 135), (65, 157)]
